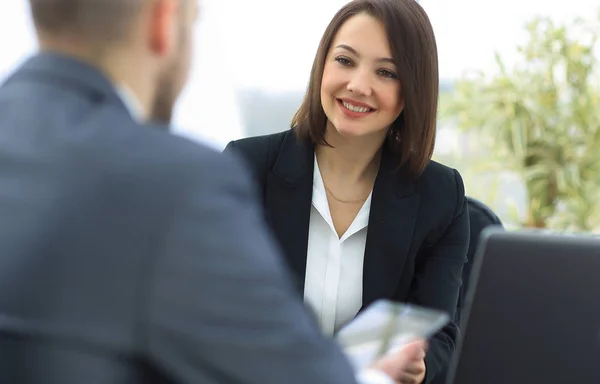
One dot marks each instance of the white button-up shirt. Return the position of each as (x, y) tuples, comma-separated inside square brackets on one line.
[(334, 265)]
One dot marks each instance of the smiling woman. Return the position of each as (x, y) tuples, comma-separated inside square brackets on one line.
[(350, 191), (360, 90), (398, 57)]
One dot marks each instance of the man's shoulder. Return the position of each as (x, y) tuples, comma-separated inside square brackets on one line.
[(148, 154), (179, 159)]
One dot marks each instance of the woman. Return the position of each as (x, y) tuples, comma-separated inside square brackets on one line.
[(350, 193)]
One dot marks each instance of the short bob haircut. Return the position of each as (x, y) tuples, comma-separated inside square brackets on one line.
[(412, 42)]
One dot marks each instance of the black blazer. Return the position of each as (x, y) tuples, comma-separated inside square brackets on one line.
[(417, 237)]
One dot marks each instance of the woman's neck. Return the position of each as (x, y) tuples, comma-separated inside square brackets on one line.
[(349, 160)]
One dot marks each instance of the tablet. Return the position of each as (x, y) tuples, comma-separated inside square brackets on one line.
[(385, 326)]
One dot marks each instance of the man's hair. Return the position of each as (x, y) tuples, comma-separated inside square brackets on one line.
[(94, 20)]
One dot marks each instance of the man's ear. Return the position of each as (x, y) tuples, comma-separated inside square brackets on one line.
[(162, 25)]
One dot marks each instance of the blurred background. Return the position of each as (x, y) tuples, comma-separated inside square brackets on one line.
[(519, 112)]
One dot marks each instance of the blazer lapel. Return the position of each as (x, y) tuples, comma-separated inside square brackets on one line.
[(392, 220), (288, 199)]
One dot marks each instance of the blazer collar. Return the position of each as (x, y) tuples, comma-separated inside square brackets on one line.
[(390, 178), (295, 163), (392, 222), (288, 199), (392, 218)]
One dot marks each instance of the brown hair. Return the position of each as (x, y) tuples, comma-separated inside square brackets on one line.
[(93, 20), (412, 41)]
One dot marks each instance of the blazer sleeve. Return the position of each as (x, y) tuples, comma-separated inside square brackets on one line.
[(222, 308), (438, 278)]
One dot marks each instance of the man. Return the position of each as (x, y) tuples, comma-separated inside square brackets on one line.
[(128, 255)]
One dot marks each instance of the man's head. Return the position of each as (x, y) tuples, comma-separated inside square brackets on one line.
[(145, 45)]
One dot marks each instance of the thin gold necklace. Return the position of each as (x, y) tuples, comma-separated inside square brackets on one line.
[(358, 201)]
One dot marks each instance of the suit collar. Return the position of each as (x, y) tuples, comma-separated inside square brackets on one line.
[(132, 103), (70, 71), (295, 162), (288, 199), (392, 221), (390, 178), (392, 218)]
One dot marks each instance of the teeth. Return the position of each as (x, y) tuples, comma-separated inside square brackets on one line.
[(355, 108)]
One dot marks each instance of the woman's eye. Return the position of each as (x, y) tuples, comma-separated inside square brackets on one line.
[(343, 60), (388, 74)]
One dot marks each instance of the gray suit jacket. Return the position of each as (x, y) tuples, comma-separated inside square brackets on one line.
[(128, 255)]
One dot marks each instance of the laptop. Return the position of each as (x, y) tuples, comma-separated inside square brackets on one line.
[(532, 312)]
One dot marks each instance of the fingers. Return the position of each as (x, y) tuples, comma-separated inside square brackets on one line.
[(415, 369), (413, 373), (416, 366), (406, 365), (415, 350), (409, 379)]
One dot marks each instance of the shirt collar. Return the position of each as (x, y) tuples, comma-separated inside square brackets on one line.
[(319, 201), (132, 103)]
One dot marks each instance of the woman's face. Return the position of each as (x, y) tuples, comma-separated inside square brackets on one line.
[(360, 90)]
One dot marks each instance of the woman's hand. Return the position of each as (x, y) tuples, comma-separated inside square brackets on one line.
[(405, 365)]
